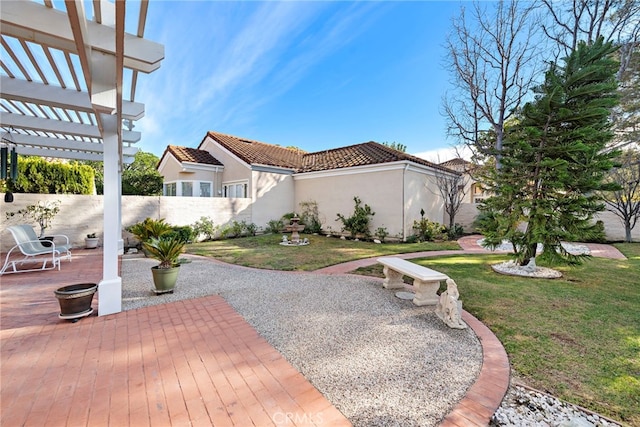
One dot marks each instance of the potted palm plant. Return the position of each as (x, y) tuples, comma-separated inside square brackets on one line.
[(166, 250)]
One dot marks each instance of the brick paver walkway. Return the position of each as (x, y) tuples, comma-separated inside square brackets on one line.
[(194, 362)]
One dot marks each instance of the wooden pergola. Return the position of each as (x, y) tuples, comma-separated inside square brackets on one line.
[(64, 75)]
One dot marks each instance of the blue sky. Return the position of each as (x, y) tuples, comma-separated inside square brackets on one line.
[(316, 75)]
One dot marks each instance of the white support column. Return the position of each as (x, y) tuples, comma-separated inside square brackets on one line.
[(110, 288), (120, 239)]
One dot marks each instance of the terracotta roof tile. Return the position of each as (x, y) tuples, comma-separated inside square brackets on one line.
[(255, 152), (368, 153), (186, 154)]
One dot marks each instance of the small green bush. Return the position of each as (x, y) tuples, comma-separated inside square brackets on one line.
[(382, 233), (412, 239), (310, 217), (427, 230), (274, 226), (358, 222), (205, 226), (251, 229), (455, 232), (238, 229), (183, 233)]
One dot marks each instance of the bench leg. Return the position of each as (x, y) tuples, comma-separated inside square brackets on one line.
[(426, 292), (392, 279)]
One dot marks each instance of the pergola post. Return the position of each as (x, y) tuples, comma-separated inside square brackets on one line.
[(110, 288), (71, 122)]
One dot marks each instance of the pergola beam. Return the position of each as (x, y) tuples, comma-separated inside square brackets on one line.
[(53, 96), (30, 21), (72, 155), (61, 127), (65, 144)]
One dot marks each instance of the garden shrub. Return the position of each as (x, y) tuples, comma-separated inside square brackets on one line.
[(427, 230), (251, 229), (274, 226), (205, 226), (454, 232), (358, 223), (239, 229), (382, 233), (411, 239), (310, 217), (183, 233)]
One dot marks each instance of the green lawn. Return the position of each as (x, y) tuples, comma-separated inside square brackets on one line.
[(265, 252), (577, 337)]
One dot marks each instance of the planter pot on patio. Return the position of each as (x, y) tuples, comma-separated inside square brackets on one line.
[(46, 241), (164, 279), (91, 242), (75, 300)]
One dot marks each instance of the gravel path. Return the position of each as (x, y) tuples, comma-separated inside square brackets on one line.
[(380, 360)]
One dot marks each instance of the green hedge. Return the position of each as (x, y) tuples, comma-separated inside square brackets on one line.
[(37, 175)]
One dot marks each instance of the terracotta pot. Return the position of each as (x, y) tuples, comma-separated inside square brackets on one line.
[(75, 300)]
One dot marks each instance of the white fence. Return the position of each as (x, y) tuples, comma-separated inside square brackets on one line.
[(80, 215)]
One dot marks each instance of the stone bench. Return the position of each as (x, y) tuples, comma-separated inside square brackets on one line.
[(426, 283), (425, 280)]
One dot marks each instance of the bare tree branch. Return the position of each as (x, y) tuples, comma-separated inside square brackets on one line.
[(492, 60)]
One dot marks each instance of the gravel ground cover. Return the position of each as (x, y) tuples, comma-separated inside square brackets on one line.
[(380, 360)]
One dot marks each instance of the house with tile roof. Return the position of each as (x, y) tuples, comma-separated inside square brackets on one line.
[(473, 191), (276, 179)]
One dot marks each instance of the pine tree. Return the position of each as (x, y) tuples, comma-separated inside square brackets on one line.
[(554, 160)]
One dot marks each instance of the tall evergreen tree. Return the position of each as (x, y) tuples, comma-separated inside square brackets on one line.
[(554, 159)]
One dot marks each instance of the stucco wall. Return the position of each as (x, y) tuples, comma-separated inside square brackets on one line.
[(80, 215), (273, 196), (613, 228), (422, 193), (170, 169), (334, 194), (234, 170), (380, 189)]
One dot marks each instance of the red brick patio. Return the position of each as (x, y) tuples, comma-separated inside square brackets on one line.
[(193, 362)]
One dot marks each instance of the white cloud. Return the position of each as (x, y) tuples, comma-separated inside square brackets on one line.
[(226, 60), (440, 155)]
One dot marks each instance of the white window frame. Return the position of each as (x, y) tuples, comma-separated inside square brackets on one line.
[(231, 187), (210, 184), (195, 188), (166, 185)]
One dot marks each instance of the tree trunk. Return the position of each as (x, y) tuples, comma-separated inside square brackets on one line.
[(627, 232)]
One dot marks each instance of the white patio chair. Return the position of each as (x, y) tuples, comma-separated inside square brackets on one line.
[(31, 247)]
